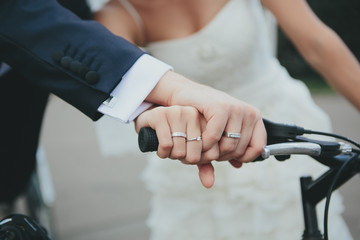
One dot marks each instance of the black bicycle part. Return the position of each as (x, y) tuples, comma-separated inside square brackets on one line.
[(21, 227), (147, 140), (313, 191), (333, 135), (330, 191)]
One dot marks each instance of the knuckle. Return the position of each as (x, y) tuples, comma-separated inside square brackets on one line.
[(166, 146), (178, 154), (175, 111), (258, 113), (185, 162), (251, 114), (193, 112), (226, 107), (228, 147), (193, 159), (212, 155), (162, 155), (240, 152), (238, 110), (223, 107)]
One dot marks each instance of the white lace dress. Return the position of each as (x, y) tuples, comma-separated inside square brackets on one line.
[(233, 53)]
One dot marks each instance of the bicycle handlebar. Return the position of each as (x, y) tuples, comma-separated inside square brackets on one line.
[(283, 140), (276, 132)]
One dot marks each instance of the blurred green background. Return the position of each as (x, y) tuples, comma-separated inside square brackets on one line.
[(343, 16)]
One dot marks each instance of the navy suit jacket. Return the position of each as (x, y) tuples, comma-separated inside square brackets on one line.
[(79, 61), (53, 50)]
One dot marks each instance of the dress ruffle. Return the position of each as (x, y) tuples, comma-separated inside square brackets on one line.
[(243, 204)]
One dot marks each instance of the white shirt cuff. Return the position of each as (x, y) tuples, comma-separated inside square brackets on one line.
[(96, 5), (127, 99)]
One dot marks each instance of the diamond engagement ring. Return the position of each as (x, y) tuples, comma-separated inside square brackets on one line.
[(232, 135), (194, 139), (179, 134)]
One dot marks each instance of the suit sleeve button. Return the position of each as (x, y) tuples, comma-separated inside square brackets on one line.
[(92, 77), (75, 67), (66, 61)]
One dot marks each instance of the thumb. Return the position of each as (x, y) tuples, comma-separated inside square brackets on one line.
[(206, 174)]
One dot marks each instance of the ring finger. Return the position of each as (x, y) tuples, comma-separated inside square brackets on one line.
[(231, 138), (246, 134), (193, 141), (178, 134)]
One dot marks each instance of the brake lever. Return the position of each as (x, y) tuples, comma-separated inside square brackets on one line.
[(284, 149)]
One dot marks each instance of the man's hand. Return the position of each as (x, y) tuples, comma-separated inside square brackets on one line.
[(222, 113)]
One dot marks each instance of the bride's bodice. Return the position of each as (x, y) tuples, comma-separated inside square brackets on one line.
[(233, 50)]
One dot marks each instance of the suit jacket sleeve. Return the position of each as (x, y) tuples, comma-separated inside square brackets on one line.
[(79, 61)]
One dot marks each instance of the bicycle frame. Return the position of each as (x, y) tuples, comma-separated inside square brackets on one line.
[(313, 191)]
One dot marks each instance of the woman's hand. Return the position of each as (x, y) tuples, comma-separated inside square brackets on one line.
[(179, 131)]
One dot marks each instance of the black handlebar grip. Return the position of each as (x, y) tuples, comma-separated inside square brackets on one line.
[(276, 132), (147, 140)]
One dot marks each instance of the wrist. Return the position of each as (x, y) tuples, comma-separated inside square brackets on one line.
[(169, 86)]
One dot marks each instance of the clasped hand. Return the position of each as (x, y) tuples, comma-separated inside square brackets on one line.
[(185, 134)]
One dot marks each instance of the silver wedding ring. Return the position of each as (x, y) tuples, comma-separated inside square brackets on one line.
[(232, 135), (194, 139), (179, 134)]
